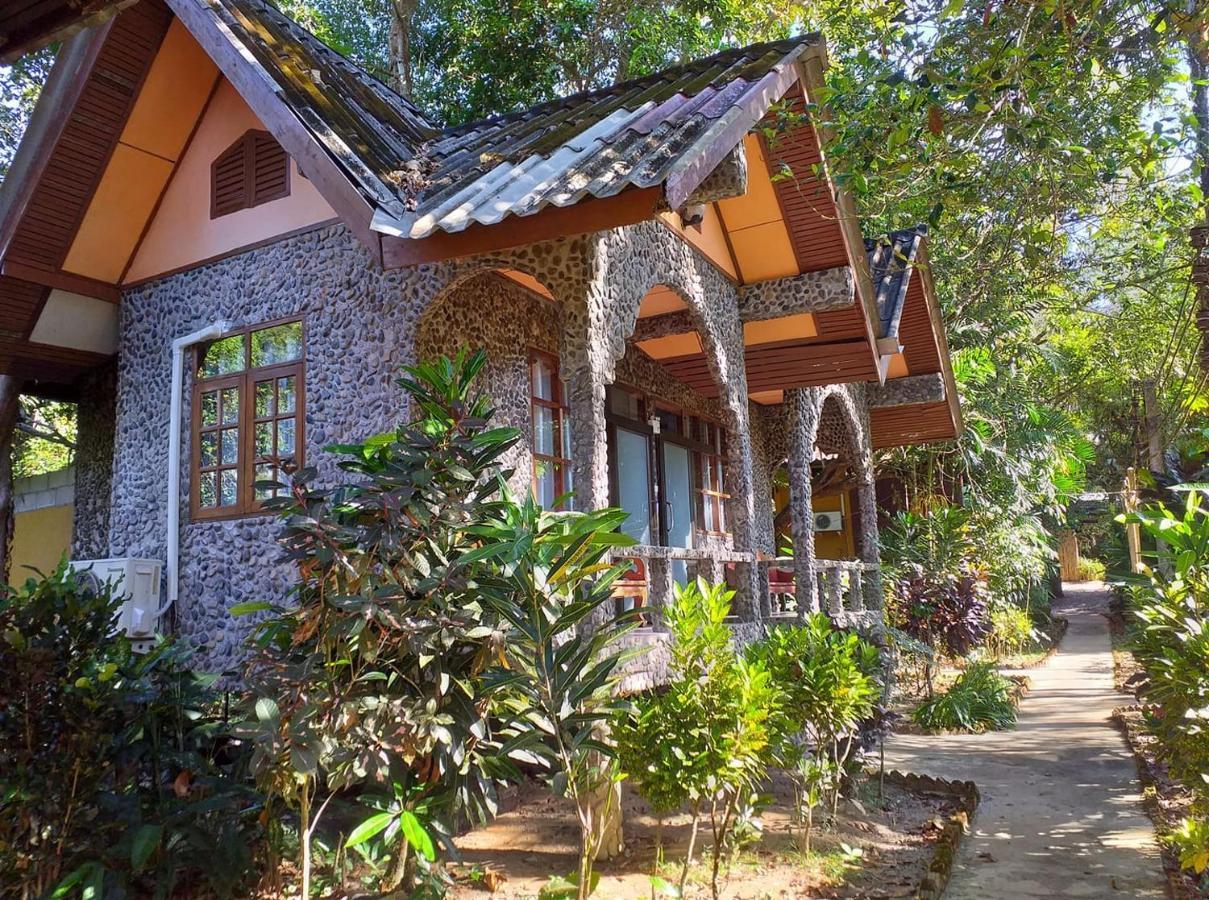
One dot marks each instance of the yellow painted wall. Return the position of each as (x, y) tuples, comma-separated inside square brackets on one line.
[(827, 544), (40, 538)]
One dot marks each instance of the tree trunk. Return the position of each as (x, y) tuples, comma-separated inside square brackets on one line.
[(1198, 67), (10, 394), (401, 12)]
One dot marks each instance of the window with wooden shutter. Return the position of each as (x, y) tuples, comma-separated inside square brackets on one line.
[(253, 170)]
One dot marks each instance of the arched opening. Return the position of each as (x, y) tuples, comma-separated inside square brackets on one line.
[(513, 317), (670, 436), (824, 514)]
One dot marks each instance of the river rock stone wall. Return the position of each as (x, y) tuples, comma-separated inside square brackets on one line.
[(361, 324), (94, 464)]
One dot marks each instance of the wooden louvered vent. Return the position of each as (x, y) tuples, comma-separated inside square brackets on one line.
[(253, 170)]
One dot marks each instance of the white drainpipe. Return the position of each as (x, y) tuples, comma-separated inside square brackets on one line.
[(209, 333)]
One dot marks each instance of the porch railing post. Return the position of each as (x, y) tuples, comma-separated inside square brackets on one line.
[(856, 593), (835, 592), (659, 574)]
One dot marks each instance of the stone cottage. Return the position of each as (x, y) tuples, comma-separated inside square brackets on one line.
[(222, 239)]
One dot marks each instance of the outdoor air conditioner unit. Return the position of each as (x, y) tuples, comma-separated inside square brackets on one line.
[(138, 581), (829, 521)]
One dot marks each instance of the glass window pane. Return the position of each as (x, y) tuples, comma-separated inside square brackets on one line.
[(209, 449), (285, 437), (285, 394), (230, 405), (633, 484), (720, 514), (623, 403), (230, 487), (209, 408), (264, 399), (264, 439), (547, 489), (566, 434), (543, 379), (265, 472), (230, 446), (209, 489), (278, 344), (223, 357), (543, 431)]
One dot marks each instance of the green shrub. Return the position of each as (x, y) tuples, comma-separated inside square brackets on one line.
[(980, 700), (708, 739), (373, 684), (1011, 630), (109, 773), (1090, 569), (828, 683), (558, 679), (1191, 843), (1170, 638)]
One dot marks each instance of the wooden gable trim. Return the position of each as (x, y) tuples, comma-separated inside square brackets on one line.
[(629, 207), (261, 94), (810, 69), (923, 266), (64, 281), (68, 77)]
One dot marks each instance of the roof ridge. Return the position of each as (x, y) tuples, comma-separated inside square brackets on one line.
[(666, 74)]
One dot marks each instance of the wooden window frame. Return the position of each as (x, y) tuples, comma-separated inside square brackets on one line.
[(701, 453), (562, 465), (714, 457), (246, 145), (245, 381)]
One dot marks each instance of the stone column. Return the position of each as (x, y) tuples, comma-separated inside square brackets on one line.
[(95, 422), (803, 422), (870, 543)]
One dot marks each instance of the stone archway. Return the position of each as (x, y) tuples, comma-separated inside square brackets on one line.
[(826, 426)]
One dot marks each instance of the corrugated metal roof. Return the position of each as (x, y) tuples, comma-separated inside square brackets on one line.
[(423, 179), (890, 262)]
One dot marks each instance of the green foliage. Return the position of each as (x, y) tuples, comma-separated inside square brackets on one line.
[(1090, 569), (561, 658), (828, 684), (1170, 637), (1191, 842), (378, 675), (980, 700), (114, 775), (708, 738), (1011, 630)]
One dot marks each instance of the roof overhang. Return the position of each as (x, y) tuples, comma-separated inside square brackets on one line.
[(29, 25)]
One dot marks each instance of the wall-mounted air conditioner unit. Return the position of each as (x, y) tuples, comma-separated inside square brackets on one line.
[(138, 581), (829, 521)]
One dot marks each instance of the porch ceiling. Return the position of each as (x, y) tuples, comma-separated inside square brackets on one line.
[(75, 133)]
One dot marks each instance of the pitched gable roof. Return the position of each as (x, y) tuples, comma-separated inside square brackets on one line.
[(669, 129)]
